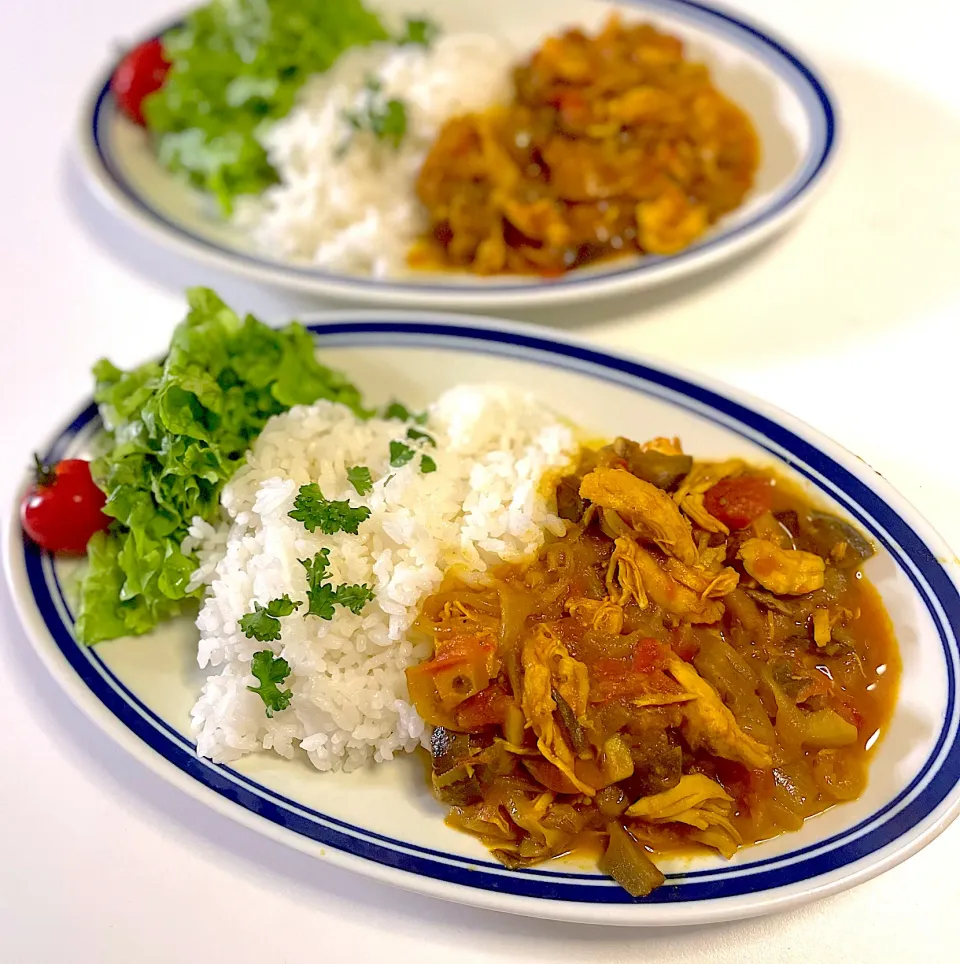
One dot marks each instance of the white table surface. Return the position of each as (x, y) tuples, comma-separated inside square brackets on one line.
[(849, 321)]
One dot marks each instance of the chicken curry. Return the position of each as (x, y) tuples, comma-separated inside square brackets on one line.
[(698, 663), (614, 144)]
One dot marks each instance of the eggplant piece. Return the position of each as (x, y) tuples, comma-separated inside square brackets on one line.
[(657, 764), (663, 471), (612, 801), (570, 724), (451, 751), (449, 748), (628, 864), (569, 504), (768, 601), (827, 530), (790, 521), (460, 793)]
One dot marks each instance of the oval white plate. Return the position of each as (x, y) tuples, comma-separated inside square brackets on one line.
[(382, 821), (793, 112)]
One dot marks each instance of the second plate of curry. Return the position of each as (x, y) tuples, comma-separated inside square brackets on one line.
[(465, 154)]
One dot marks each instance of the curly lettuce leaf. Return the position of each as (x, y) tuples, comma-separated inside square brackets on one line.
[(176, 432), (237, 65)]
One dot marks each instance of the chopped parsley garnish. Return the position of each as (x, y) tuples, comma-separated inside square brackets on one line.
[(418, 31), (400, 454), (427, 465), (385, 119), (323, 597), (320, 595), (317, 569), (359, 477), (263, 623), (316, 512), (354, 597), (270, 670), (415, 434), (399, 411), (322, 600)]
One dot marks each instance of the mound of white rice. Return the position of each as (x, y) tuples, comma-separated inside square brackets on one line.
[(484, 503), (358, 212)]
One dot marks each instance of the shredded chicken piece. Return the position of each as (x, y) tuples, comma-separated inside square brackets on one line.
[(709, 723), (663, 589), (705, 475), (693, 508), (719, 839), (666, 224), (821, 626), (839, 551), (698, 802), (665, 446), (712, 558), (704, 582), (457, 611), (514, 749), (624, 571), (528, 815), (663, 699), (603, 615), (785, 572), (548, 665), (541, 218), (649, 510)]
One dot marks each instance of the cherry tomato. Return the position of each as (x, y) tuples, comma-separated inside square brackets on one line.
[(737, 502), (140, 73), (63, 509)]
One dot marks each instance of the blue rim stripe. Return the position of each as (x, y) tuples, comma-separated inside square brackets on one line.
[(928, 789), (802, 79)]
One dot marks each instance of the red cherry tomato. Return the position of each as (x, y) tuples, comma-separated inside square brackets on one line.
[(63, 510), (140, 73), (737, 502)]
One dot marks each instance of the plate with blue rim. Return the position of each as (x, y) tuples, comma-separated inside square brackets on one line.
[(793, 112), (382, 821)]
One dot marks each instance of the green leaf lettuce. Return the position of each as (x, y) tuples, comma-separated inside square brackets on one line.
[(177, 430)]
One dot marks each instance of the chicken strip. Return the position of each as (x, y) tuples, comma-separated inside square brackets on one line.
[(651, 513), (708, 722)]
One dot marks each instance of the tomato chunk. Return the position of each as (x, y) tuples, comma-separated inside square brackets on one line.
[(737, 502), (648, 655), (488, 707)]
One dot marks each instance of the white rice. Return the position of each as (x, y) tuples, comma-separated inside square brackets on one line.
[(359, 212), (484, 503)]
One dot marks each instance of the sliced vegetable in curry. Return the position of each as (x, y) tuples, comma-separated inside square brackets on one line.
[(697, 664)]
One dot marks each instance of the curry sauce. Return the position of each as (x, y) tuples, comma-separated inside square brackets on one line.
[(614, 144), (699, 662)]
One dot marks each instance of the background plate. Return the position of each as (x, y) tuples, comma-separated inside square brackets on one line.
[(788, 102)]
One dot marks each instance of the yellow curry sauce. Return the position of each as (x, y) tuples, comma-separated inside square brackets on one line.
[(613, 145), (698, 662)]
